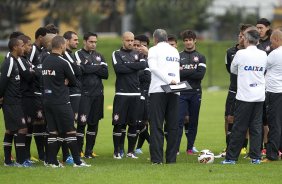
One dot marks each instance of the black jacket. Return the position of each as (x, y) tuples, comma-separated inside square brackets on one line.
[(27, 75), (55, 70), (10, 87), (69, 56), (126, 64), (194, 69), (94, 68), (230, 53)]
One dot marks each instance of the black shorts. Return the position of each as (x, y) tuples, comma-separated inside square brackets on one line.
[(38, 105), (59, 117), (91, 109), (125, 110), (28, 106), (14, 117), (74, 100), (230, 103)]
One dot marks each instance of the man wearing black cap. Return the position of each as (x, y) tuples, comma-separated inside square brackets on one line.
[(263, 26)]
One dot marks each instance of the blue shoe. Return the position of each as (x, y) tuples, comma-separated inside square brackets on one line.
[(255, 161), (121, 153), (25, 164), (138, 151), (228, 162), (69, 160)]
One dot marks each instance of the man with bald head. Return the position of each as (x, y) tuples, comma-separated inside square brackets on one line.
[(273, 99), (126, 62)]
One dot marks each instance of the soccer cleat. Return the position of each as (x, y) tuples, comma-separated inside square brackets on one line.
[(94, 154), (25, 164), (30, 161), (117, 156), (265, 160), (263, 152), (189, 152), (157, 163), (69, 160), (244, 151), (138, 151), (81, 154), (131, 155), (59, 165), (12, 164), (228, 162), (34, 159), (88, 156), (194, 149), (121, 152), (255, 161), (220, 155), (177, 153), (83, 164)]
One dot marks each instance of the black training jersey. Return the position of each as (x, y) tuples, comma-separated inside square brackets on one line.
[(94, 68), (38, 85), (55, 70), (34, 55), (145, 80), (10, 87), (194, 69), (69, 56), (265, 45), (126, 64), (230, 53), (27, 75)]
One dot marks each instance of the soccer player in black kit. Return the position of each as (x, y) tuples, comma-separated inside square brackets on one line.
[(10, 95), (91, 109), (126, 63), (75, 93), (141, 44), (57, 73), (192, 70), (27, 75), (263, 26)]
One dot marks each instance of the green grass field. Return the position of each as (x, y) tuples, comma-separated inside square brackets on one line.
[(187, 170)]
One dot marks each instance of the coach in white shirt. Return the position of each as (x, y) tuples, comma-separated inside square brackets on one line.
[(273, 79), (163, 60), (249, 64)]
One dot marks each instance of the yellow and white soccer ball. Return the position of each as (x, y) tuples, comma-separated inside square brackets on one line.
[(206, 157)]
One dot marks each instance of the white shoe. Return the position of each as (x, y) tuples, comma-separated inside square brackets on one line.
[(56, 166), (117, 156), (131, 155), (83, 164), (194, 149)]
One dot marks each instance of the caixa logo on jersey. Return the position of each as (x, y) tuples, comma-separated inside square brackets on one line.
[(49, 72), (172, 59), (254, 68)]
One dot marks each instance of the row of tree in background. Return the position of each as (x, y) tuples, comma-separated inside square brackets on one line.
[(120, 15)]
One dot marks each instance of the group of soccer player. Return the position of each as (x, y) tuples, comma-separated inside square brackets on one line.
[(46, 89), (270, 143)]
